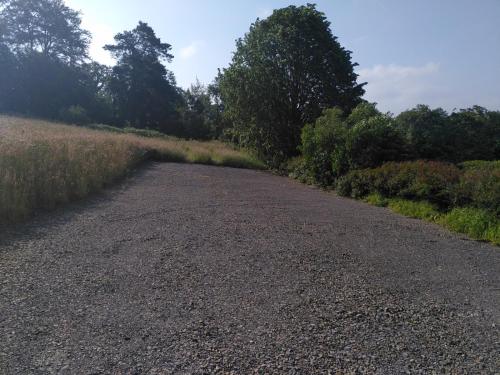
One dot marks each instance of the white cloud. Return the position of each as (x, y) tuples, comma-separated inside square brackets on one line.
[(397, 88), (189, 51)]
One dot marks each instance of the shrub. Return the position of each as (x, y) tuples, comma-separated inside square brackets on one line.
[(419, 180), (75, 115), (323, 147), (373, 141), (334, 145), (356, 184), (480, 186)]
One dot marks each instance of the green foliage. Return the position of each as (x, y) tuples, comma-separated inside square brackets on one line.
[(476, 134), (42, 68), (420, 180), (427, 132), (421, 189), (75, 115), (286, 70), (468, 134), (476, 223), (373, 141), (323, 147), (480, 186), (144, 92), (336, 144), (376, 200), (48, 27), (418, 210), (296, 168), (201, 114)]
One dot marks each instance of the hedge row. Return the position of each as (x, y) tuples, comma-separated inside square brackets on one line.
[(474, 184)]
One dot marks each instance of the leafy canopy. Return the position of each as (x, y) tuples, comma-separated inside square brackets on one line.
[(144, 92), (286, 70), (45, 26)]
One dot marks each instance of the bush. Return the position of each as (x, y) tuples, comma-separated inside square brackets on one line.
[(479, 186), (419, 180), (373, 141), (75, 114), (336, 144), (356, 184), (323, 147)]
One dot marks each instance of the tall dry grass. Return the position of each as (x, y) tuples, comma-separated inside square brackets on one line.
[(44, 164)]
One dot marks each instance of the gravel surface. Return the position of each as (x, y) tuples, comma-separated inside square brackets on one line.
[(198, 270)]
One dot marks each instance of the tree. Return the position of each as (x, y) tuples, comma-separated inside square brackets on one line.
[(144, 92), (286, 70), (45, 86), (336, 144), (198, 112), (45, 26), (374, 141), (428, 132), (43, 60), (8, 77), (475, 134)]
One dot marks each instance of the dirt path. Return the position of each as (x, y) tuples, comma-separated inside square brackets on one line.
[(198, 270)]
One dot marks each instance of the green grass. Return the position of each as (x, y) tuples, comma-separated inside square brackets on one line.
[(418, 210), (478, 224), (475, 223), (376, 200)]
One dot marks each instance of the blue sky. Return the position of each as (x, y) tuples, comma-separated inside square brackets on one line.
[(439, 52)]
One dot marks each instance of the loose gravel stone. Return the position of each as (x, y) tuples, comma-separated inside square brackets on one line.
[(199, 270)]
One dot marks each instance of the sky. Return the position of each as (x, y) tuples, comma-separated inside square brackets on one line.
[(444, 53)]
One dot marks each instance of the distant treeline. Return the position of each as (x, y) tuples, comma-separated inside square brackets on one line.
[(338, 143), (290, 89), (45, 71)]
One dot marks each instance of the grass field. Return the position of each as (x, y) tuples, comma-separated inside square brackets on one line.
[(43, 164)]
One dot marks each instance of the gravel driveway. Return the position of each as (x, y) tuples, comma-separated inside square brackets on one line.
[(198, 270)]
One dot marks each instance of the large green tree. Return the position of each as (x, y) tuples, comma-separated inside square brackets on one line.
[(285, 72), (44, 66), (144, 92), (45, 26)]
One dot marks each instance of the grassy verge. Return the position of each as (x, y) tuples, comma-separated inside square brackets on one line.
[(43, 164), (476, 223)]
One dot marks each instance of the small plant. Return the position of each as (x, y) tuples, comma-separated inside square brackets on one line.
[(376, 200), (418, 210)]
